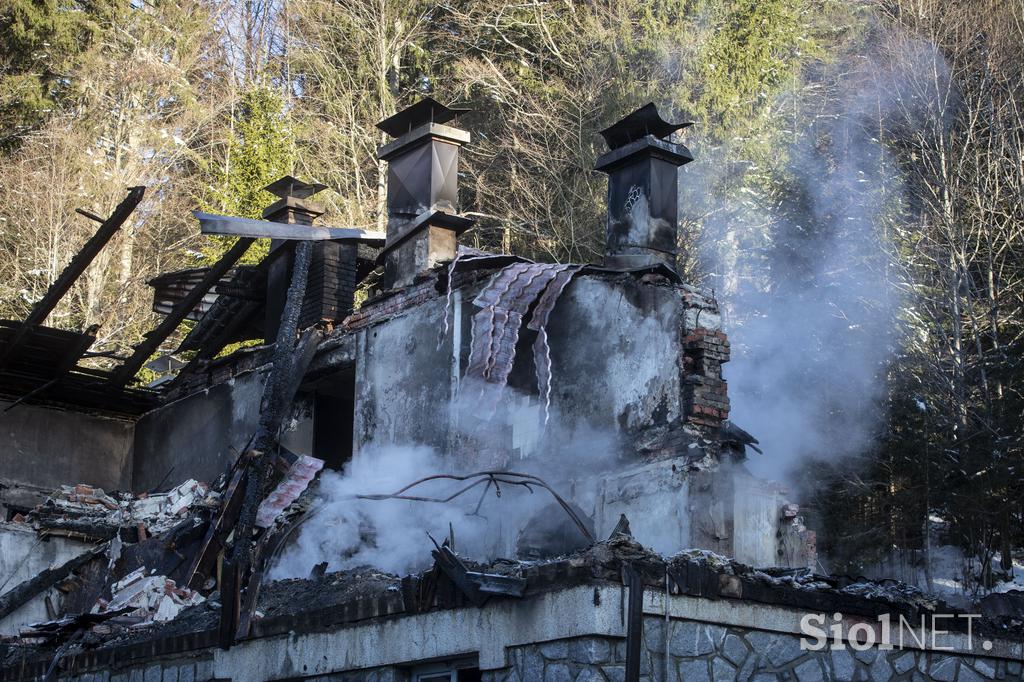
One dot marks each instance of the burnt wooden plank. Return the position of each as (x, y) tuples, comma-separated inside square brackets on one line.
[(277, 395), (205, 558), (73, 271), (123, 374), (69, 359), (20, 594)]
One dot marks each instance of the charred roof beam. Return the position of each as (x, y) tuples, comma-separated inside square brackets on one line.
[(60, 287), (123, 374)]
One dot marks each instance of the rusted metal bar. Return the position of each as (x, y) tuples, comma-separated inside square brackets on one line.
[(634, 623), (487, 478), (72, 272), (123, 374)]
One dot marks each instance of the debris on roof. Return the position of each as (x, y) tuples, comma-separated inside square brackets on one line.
[(89, 513)]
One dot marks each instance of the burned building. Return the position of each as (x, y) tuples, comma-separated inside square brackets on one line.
[(577, 414)]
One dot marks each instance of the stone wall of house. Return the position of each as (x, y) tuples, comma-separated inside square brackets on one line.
[(701, 652), (698, 652)]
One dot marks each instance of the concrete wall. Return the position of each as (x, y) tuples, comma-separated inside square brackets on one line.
[(198, 436), (403, 381), (24, 555), (616, 354), (616, 362), (47, 448), (756, 511), (656, 499)]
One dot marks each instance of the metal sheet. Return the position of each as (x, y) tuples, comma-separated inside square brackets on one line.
[(247, 227)]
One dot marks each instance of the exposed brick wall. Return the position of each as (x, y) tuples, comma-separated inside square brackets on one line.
[(332, 283), (395, 302), (706, 393)]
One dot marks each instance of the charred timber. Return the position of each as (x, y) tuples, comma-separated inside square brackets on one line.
[(73, 271), (123, 374), (259, 458), (21, 594)]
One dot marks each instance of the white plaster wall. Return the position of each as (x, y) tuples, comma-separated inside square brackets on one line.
[(403, 381), (756, 507), (655, 499), (615, 351), (494, 630), (22, 556), (573, 612)]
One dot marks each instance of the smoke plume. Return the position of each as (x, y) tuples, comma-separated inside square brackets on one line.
[(802, 263)]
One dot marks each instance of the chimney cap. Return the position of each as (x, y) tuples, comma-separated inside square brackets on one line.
[(427, 110), (290, 186), (644, 121)]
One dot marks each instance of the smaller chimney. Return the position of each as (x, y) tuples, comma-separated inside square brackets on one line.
[(423, 190), (643, 197), (332, 272), (291, 207)]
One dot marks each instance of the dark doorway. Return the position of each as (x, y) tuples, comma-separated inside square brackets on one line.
[(333, 418)]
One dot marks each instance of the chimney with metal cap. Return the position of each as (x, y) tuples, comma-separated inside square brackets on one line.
[(423, 190), (333, 276), (643, 200)]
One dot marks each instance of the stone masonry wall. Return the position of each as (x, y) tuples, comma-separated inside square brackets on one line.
[(701, 652)]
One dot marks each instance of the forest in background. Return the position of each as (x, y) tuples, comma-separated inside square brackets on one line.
[(855, 202)]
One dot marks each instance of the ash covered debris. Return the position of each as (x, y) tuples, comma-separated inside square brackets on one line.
[(153, 597), (367, 594), (89, 513), (129, 578)]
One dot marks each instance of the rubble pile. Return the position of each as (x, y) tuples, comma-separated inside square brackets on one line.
[(134, 575), (291, 596), (149, 598), (89, 513)]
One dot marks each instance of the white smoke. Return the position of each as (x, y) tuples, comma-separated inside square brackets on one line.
[(347, 531), (803, 266)]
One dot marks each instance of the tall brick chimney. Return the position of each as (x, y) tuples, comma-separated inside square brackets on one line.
[(643, 197), (423, 190), (330, 289)]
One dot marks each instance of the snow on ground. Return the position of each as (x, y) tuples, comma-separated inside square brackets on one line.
[(944, 570)]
